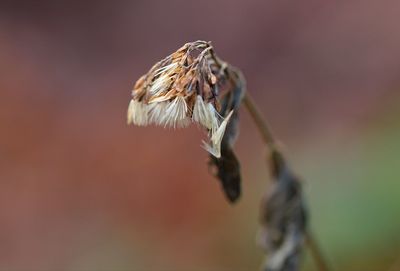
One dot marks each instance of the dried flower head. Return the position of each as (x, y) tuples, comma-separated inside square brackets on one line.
[(183, 88)]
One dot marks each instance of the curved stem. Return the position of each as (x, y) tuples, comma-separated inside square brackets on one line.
[(269, 140), (315, 251), (259, 120)]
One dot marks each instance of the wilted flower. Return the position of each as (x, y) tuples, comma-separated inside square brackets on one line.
[(183, 88)]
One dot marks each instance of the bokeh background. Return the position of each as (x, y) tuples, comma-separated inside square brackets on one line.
[(80, 190)]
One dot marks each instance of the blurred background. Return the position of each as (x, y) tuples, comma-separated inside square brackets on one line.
[(80, 190)]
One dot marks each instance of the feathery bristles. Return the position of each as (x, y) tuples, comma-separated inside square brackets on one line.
[(205, 114), (137, 113), (175, 113)]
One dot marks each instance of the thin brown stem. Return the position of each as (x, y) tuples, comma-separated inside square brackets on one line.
[(259, 120), (269, 140), (315, 252)]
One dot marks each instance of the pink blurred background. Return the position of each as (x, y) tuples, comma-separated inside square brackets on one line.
[(80, 190)]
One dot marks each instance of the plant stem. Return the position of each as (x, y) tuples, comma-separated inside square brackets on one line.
[(260, 122), (269, 140), (316, 252)]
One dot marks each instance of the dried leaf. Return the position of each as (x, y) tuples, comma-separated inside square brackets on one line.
[(227, 165), (283, 218), (228, 173)]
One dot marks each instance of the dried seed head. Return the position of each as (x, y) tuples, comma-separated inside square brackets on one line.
[(183, 88)]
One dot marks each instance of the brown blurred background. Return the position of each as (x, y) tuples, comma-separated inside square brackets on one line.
[(80, 190)]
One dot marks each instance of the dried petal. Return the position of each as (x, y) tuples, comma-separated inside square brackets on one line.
[(214, 147)]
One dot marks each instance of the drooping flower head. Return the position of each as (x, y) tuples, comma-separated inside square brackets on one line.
[(183, 88)]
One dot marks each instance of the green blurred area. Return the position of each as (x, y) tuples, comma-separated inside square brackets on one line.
[(353, 191)]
